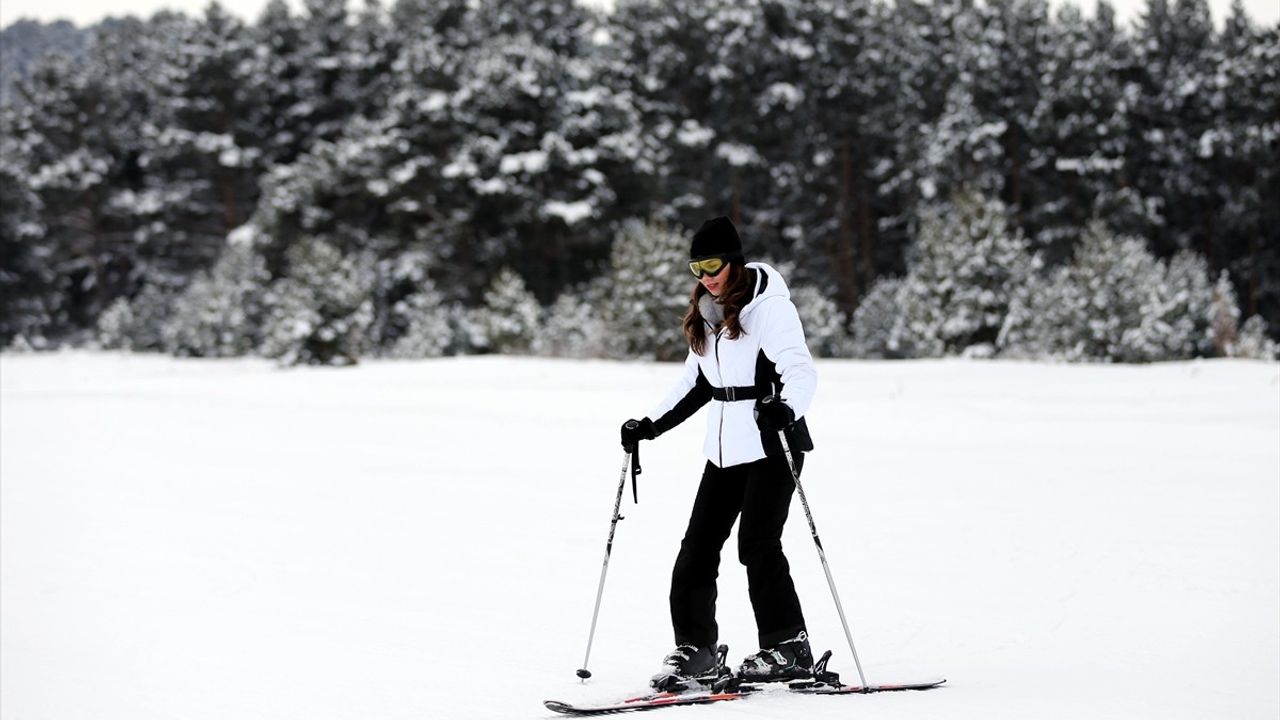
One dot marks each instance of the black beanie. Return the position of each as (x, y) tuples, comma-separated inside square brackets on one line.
[(717, 236)]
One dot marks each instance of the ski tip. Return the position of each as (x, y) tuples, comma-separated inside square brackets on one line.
[(557, 706)]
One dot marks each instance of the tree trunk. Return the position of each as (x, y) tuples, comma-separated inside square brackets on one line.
[(866, 219), (1253, 273), (230, 215), (1014, 149), (846, 267)]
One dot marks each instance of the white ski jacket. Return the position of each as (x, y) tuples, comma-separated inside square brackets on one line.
[(769, 357)]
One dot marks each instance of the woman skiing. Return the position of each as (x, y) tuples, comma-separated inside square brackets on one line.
[(746, 344)]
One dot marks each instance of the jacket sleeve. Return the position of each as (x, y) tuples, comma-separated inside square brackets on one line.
[(783, 343), (690, 393)]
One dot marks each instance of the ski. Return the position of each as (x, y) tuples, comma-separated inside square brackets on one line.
[(654, 701), (646, 702), (859, 690)]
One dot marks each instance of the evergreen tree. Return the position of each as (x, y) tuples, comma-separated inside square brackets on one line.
[(428, 331), (1186, 307), (866, 114), (647, 292), (137, 323), (1081, 126), (574, 327), (25, 42), (1243, 164), (275, 77), (1048, 320), (30, 296), (825, 325), (1171, 114), (319, 313), (220, 314), (529, 173), (965, 266), (205, 153), (1122, 286), (80, 159), (875, 319), (1254, 342), (510, 319)]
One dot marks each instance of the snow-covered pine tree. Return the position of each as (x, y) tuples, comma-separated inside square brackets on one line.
[(1171, 114), (137, 323), (1007, 68), (1047, 319), (875, 319), (326, 78), (220, 314), (1080, 124), (826, 327), (849, 211), (1186, 306), (80, 159), (964, 268), (574, 325), (115, 326), (1224, 316), (1122, 287), (1227, 336), (648, 292), (510, 319), (532, 172), (29, 292), (961, 148), (275, 74), (1244, 159), (1254, 342), (204, 151), (428, 332), (320, 312), (1116, 301), (663, 55), (24, 42)]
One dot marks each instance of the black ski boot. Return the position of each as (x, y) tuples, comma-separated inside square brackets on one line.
[(688, 663), (788, 660)]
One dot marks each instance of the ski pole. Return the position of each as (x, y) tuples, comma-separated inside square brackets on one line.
[(583, 672), (822, 555)]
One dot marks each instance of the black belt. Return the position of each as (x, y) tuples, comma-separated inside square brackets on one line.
[(732, 394)]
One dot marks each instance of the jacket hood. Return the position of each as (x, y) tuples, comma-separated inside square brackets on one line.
[(769, 284)]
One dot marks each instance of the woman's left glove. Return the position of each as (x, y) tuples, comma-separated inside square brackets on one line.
[(772, 414)]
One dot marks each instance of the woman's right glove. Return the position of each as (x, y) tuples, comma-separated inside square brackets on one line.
[(772, 414), (633, 431)]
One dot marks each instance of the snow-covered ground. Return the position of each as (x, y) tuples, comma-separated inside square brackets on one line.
[(224, 539)]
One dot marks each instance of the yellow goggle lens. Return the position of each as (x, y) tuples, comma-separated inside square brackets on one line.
[(710, 266)]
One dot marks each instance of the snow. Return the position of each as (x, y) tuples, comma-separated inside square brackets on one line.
[(570, 212), (737, 154), (533, 161), (224, 539), (693, 134)]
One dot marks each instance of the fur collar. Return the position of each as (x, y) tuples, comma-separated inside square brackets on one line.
[(711, 310)]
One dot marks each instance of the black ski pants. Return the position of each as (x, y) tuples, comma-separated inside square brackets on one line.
[(760, 492)]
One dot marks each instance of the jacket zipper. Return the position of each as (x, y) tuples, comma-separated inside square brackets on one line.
[(720, 372)]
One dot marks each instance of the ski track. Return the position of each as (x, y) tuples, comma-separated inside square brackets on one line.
[(225, 539)]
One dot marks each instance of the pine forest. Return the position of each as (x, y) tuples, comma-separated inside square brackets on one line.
[(424, 178)]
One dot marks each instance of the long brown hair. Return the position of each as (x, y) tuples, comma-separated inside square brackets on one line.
[(736, 296)]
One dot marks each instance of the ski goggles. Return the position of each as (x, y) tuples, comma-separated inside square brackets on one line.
[(708, 266)]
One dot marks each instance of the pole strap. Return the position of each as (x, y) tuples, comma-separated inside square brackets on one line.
[(635, 472)]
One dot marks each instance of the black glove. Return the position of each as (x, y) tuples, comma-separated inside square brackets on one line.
[(773, 415), (633, 431)]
